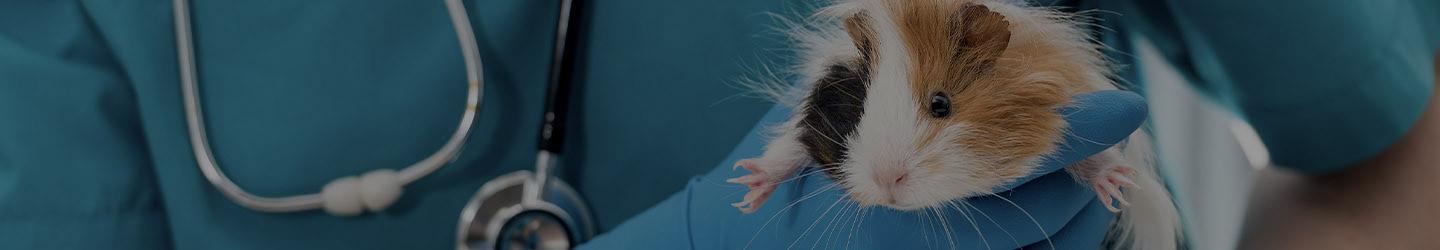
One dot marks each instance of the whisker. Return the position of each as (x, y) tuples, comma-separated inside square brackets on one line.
[(830, 224), (925, 217), (847, 92), (1032, 219), (966, 205), (796, 177), (812, 224), (860, 219), (976, 226), (827, 137), (949, 233), (782, 211), (854, 218), (831, 125)]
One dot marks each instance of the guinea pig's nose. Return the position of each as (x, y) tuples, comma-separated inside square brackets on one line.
[(891, 180)]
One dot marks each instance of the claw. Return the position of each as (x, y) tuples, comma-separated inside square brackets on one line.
[(747, 163), (761, 200), (750, 196), (1125, 182), (753, 201), (1115, 192), (1105, 198), (748, 180)]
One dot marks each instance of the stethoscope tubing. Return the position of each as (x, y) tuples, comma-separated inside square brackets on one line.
[(210, 169)]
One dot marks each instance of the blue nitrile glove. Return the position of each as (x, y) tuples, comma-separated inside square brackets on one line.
[(1049, 205)]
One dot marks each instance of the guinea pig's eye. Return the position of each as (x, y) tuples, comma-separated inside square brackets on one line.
[(939, 105)]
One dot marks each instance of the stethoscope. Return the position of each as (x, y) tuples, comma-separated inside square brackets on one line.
[(517, 210)]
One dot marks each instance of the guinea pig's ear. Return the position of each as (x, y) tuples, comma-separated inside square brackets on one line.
[(982, 36), (858, 26)]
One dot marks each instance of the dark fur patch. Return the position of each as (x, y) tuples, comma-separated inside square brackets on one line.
[(832, 111)]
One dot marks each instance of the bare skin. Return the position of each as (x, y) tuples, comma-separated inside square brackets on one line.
[(1389, 202)]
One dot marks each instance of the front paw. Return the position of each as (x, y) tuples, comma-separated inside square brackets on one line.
[(761, 185)]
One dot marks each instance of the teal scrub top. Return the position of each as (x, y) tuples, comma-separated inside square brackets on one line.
[(94, 153)]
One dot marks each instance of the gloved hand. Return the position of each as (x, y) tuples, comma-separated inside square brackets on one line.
[(1048, 209)]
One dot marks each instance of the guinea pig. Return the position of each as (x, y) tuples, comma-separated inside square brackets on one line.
[(910, 104)]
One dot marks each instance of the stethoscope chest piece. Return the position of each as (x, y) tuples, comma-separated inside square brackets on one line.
[(503, 215)]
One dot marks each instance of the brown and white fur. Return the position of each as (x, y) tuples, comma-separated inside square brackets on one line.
[(910, 104)]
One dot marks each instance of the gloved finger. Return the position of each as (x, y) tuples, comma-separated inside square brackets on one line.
[(1051, 210), (812, 211), (1087, 230), (1095, 121)]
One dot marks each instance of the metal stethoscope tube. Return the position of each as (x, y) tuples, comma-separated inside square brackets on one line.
[(390, 181), (535, 210)]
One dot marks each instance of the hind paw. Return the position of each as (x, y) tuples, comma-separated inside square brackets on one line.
[(1108, 183)]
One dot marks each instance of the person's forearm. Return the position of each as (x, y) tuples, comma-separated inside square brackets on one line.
[(1391, 201)]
